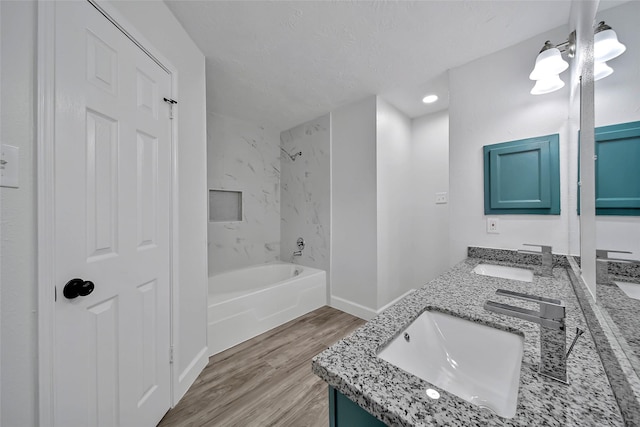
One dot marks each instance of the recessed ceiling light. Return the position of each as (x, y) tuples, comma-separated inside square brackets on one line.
[(429, 99)]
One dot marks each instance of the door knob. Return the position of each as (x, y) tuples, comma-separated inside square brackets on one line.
[(77, 288)]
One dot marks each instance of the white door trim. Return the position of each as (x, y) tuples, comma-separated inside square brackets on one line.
[(45, 209), (46, 196)]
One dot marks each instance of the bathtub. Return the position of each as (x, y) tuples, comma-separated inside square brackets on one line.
[(247, 302)]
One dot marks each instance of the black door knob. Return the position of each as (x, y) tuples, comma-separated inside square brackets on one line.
[(77, 288)]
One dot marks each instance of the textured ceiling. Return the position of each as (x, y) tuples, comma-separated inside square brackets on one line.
[(280, 63)]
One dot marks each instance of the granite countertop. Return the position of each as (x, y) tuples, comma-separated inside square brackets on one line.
[(624, 311), (398, 398)]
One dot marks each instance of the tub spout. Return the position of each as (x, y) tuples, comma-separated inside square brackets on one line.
[(295, 254)]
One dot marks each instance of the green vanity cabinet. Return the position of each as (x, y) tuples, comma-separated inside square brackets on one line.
[(343, 412)]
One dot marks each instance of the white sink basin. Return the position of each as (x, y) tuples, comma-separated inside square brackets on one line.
[(503, 272), (631, 289), (475, 362)]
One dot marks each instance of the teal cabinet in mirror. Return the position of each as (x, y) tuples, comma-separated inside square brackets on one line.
[(522, 177), (618, 169)]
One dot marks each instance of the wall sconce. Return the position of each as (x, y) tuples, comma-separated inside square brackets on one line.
[(605, 44), (549, 63), (605, 47)]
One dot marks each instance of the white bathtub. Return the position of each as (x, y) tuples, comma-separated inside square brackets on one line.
[(247, 302)]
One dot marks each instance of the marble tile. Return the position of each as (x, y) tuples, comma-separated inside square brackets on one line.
[(398, 399), (244, 157), (305, 193)]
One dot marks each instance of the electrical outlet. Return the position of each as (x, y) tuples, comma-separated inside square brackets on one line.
[(441, 198), (492, 225)]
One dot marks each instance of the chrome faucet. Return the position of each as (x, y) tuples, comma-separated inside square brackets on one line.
[(602, 264), (553, 336), (547, 258), (295, 254), (300, 243)]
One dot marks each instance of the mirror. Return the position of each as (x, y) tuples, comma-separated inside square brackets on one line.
[(617, 100)]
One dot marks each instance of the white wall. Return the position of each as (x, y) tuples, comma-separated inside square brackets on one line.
[(305, 206), (394, 199), (158, 25), (490, 103), (388, 235), (353, 208), (617, 100), (244, 157), (18, 286), (430, 175)]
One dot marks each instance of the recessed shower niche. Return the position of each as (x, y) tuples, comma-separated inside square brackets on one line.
[(225, 206)]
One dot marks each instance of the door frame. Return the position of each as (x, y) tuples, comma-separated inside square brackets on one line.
[(45, 173)]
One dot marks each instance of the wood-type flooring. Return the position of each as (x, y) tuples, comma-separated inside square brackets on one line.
[(266, 381)]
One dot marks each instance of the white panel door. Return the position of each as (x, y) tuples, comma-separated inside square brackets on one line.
[(112, 186)]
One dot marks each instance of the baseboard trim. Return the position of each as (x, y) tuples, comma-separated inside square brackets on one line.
[(352, 308), (361, 311)]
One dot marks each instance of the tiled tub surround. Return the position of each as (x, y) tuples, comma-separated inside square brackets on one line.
[(244, 157), (305, 193), (398, 398)]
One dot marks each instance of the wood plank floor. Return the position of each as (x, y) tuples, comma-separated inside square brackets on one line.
[(266, 381)]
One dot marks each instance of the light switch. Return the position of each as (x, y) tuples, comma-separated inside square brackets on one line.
[(9, 166), (441, 198)]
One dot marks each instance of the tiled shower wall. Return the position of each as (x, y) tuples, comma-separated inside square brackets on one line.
[(305, 188), (244, 157)]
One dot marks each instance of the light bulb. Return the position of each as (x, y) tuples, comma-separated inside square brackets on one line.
[(547, 85), (606, 46), (601, 70), (549, 62)]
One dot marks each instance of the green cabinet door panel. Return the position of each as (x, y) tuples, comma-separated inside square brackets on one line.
[(522, 177), (618, 169)]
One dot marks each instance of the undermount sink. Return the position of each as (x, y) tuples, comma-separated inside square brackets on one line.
[(631, 289), (513, 273), (477, 363)]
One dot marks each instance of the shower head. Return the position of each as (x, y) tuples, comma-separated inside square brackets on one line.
[(292, 157)]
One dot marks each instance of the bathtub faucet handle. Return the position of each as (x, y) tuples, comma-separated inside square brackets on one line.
[(300, 243)]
